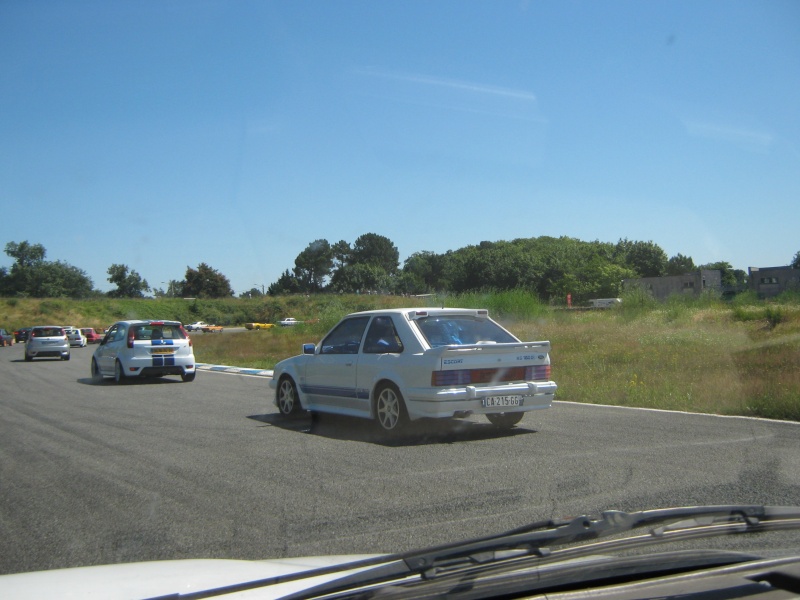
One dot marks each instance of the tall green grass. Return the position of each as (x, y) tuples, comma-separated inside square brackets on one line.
[(513, 304), (706, 360)]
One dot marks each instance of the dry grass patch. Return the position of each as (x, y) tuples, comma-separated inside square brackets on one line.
[(705, 362)]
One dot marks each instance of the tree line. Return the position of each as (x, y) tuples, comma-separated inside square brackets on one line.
[(549, 267), (32, 276)]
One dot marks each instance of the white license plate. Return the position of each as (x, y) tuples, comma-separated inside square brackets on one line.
[(493, 401)]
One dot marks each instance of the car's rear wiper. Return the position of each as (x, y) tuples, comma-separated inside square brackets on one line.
[(536, 539)]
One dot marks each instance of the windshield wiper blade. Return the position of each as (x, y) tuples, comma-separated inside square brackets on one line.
[(535, 539)]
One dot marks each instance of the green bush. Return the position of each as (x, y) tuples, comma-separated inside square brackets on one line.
[(636, 302), (511, 304), (748, 298), (791, 297)]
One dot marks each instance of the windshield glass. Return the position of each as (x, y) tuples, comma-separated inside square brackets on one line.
[(360, 277)]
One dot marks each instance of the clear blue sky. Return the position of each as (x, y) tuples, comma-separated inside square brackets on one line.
[(163, 134)]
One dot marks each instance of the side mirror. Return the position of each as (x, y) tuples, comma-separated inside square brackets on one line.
[(309, 348)]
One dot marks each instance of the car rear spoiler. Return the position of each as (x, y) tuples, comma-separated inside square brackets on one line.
[(491, 348)]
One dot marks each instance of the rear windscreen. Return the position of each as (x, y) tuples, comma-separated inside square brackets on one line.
[(458, 331), (157, 332), (47, 332)]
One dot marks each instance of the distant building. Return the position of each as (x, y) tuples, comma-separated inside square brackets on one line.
[(768, 282), (695, 283)]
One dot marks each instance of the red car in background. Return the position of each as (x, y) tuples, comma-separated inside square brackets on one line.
[(92, 337)]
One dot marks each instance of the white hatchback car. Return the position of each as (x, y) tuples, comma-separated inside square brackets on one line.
[(398, 365), (75, 337), (47, 340), (144, 349)]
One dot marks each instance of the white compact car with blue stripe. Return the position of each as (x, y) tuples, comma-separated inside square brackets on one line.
[(400, 365), (144, 349)]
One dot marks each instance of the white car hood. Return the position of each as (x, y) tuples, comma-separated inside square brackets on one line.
[(160, 578)]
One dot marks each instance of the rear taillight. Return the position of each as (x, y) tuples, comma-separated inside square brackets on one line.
[(450, 378), (458, 377), (186, 335), (130, 339)]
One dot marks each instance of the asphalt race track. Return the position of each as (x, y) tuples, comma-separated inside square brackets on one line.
[(95, 473)]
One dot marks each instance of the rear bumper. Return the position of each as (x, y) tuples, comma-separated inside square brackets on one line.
[(48, 353), (159, 365), (150, 371), (459, 402)]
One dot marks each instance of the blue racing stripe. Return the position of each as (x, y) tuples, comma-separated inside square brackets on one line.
[(335, 392)]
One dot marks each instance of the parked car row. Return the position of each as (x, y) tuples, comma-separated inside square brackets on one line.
[(128, 350), (78, 337)]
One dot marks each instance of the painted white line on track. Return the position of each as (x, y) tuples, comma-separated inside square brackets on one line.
[(677, 412), (235, 370)]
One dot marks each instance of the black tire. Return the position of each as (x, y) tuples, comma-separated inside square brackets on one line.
[(288, 401), (28, 357), (65, 356), (96, 375), (390, 409), (187, 377), (505, 420), (119, 373)]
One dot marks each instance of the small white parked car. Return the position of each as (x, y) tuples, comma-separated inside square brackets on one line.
[(75, 337), (144, 349), (399, 365)]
